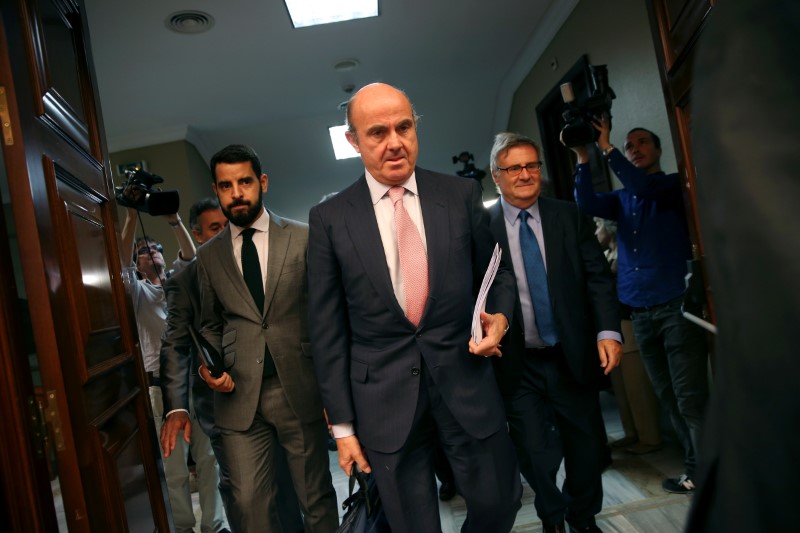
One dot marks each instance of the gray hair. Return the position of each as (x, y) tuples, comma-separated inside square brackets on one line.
[(505, 141)]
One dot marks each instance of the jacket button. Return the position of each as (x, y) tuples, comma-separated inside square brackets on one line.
[(415, 371), (265, 325), (259, 360)]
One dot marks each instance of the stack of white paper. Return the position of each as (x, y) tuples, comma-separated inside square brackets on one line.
[(480, 304)]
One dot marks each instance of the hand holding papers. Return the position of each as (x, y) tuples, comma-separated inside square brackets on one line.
[(480, 304)]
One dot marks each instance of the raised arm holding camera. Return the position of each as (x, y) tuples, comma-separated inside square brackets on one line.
[(653, 250), (150, 307)]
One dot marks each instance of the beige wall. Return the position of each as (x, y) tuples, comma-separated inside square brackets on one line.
[(616, 34), (183, 168)]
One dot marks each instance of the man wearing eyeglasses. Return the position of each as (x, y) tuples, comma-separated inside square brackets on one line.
[(564, 335), (653, 247)]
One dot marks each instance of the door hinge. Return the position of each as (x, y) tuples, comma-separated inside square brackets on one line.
[(52, 417), (36, 412), (5, 118)]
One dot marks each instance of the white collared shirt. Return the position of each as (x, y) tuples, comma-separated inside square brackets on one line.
[(260, 239), (384, 214)]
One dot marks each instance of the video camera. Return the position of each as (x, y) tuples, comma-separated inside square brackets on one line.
[(138, 192), (578, 129)]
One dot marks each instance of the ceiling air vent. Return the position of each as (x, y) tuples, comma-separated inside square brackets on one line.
[(190, 22)]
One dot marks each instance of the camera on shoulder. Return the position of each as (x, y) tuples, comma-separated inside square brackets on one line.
[(138, 192), (578, 115)]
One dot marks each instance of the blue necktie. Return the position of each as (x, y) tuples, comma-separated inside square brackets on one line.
[(537, 280)]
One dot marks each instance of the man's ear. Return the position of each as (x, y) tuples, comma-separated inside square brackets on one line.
[(264, 182), (352, 139)]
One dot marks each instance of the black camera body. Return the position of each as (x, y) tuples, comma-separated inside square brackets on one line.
[(578, 116), (138, 192)]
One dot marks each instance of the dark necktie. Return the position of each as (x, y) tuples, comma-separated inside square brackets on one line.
[(251, 268), (537, 280)]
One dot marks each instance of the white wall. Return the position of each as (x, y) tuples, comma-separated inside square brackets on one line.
[(617, 34)]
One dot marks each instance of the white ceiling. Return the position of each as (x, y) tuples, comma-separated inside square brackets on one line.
[(253, 79)]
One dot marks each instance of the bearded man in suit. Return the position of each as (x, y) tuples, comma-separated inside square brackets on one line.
[(254, 311)]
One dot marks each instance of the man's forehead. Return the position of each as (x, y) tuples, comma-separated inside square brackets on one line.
[(638, 134), (379, 104)]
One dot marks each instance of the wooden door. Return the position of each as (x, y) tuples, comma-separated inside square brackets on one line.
[(61, 231), (676, 25)]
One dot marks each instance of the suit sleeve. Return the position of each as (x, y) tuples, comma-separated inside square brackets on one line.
[(600, 283), (328, 322), (176, 345), (210, 309), (503, 292)]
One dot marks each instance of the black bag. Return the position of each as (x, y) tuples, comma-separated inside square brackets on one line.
[(364, 511)]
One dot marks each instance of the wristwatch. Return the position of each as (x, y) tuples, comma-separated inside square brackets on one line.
[(608, 150)]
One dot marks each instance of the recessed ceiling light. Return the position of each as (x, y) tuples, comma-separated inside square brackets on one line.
[(313, 12), (189, 22), (346, 65)]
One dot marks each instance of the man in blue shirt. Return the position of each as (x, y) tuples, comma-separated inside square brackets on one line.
[(653, 247)]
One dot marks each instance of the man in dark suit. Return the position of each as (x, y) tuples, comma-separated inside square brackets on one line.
[(254, 310), (179, 363), (394, 263), (566, 330)]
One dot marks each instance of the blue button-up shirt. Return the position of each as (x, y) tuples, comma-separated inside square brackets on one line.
[(652, 234)]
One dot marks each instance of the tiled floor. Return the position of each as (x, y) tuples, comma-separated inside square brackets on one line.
[(633, 498)]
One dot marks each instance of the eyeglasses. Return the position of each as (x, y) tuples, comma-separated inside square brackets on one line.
[(147, 250), (516, 170)]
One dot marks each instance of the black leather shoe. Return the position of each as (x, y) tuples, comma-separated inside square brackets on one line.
[(447, 491), (557, 528)]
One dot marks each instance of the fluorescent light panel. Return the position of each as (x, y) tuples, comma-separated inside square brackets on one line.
[(313, 12), (341, 148)]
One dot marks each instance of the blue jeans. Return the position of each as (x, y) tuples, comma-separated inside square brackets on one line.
[(675, 356)]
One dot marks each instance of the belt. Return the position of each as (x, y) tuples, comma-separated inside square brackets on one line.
[(153, 380), (657, 306)]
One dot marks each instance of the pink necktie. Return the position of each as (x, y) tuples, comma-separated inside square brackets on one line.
[(413, 259)]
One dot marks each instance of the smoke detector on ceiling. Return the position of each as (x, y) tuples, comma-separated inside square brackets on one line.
[(189, 22)]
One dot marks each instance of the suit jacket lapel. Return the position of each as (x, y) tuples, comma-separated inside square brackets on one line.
[(553, 240), (278, 245), (437, 233), (363, 228), (228, 264)]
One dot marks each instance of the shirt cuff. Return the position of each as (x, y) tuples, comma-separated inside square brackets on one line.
[(608, 334), (341, 431), (176, 411)]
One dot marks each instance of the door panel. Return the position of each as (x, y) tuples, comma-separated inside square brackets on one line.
[(96, 401)]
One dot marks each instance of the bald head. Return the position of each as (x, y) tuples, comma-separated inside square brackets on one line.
[(383, 129)]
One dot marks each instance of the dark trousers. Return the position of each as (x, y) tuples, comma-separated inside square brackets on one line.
[(548, 392), (286, 499), (249, 463), (675, 356), (485, 472)]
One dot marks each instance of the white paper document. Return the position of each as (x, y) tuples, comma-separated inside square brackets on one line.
[(480, 303)]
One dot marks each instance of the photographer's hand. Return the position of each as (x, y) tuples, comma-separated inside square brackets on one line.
[(603, 140), (580, 151)]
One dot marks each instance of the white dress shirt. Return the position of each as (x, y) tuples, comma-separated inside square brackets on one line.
[(260, 239)]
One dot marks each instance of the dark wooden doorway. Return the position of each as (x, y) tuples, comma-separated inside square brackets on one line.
[(676, 26), (74, 409)]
